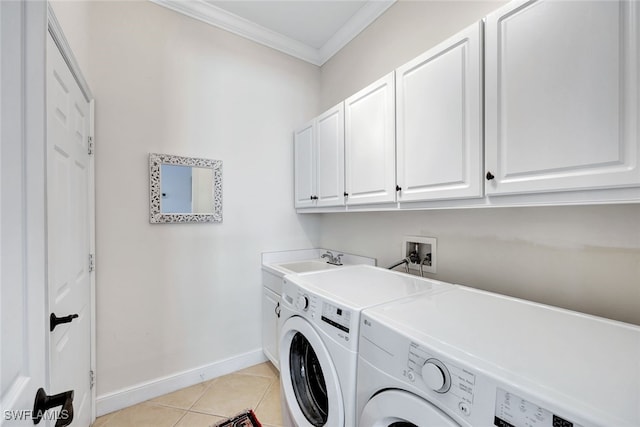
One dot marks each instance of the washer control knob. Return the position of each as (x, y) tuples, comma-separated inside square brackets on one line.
[(303, 302), (436, 376)]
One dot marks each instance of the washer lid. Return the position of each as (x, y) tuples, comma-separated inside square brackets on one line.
[(363, 286), (401, 408)]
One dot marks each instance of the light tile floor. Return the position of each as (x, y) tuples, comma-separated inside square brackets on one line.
[(207, 403)]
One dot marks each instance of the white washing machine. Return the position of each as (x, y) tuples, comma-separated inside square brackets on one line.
[(319, 323), (464, 357)]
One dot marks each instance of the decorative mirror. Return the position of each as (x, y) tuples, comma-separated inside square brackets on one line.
[(184, 189)]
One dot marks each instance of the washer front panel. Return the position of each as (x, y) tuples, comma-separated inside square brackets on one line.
[(291, 329)]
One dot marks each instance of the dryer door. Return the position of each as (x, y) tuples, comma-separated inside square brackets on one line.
[(395, 408), (309, 380)]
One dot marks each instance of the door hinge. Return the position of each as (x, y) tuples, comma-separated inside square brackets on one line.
[(92, 262), (90, 145), (92, 379)]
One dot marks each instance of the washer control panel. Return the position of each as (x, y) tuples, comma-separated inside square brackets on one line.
[(333, 319), (336, 316), (443, 378), (514, 411)]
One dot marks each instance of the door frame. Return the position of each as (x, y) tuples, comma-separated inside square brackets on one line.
[(55, 30)]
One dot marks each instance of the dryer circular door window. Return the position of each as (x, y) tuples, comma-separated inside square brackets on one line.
[(309, 379), (396, 408)]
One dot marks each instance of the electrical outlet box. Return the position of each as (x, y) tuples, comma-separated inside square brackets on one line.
[(420, 250)]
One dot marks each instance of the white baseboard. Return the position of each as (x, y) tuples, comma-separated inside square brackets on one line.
[(129, 396)]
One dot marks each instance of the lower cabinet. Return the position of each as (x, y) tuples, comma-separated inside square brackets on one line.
[(270, 312)]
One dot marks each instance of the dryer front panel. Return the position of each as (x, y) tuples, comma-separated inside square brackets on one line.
[(396, 408)]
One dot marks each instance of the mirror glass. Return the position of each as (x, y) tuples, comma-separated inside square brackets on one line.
[(185, 189)]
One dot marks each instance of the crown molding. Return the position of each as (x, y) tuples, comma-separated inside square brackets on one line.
[(213, 15), (354, 26)]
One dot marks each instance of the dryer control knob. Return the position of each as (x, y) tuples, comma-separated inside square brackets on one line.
[(436, 376), (303, 302)]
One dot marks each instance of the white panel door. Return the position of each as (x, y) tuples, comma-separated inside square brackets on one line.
[(69, 278), (370, 163), (330, 157), (304, 166), (22, 238), (439, 120), (562, 96)]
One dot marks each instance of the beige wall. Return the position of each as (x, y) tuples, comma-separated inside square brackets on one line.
[(404, 31), (174, 297), (171, 298), (582, 258)]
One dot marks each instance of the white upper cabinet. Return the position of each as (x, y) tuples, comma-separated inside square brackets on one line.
[(562, 96), (319, 161), (439, 121), (304, 165), (370, 171), (330, 157)]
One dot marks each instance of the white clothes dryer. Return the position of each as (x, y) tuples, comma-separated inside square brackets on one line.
[(319, 322), (465, 357)]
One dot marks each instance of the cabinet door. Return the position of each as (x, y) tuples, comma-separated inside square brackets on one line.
[(304, 166), (562, 96), (439, 121), (330, 157), (370, 173), (270, 302)]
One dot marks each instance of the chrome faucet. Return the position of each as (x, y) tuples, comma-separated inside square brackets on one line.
[(332, 259)]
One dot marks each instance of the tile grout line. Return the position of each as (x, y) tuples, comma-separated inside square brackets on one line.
[(180, 419), (210, 383), (274, 381)]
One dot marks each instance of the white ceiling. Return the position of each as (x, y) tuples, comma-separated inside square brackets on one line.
[(312, 30)]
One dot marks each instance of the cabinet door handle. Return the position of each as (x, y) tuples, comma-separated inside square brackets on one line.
[(398, 188), (346, 194), (277, 309), (490, 176)]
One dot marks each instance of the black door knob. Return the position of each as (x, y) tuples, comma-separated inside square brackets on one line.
[(44, 402), (398, 188), (346, 194), (55, 320), (490, 176)]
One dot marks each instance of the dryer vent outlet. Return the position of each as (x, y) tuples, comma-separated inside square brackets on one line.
[(420, 250)]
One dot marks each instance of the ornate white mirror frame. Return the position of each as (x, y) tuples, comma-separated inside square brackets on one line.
[(156, 214)]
